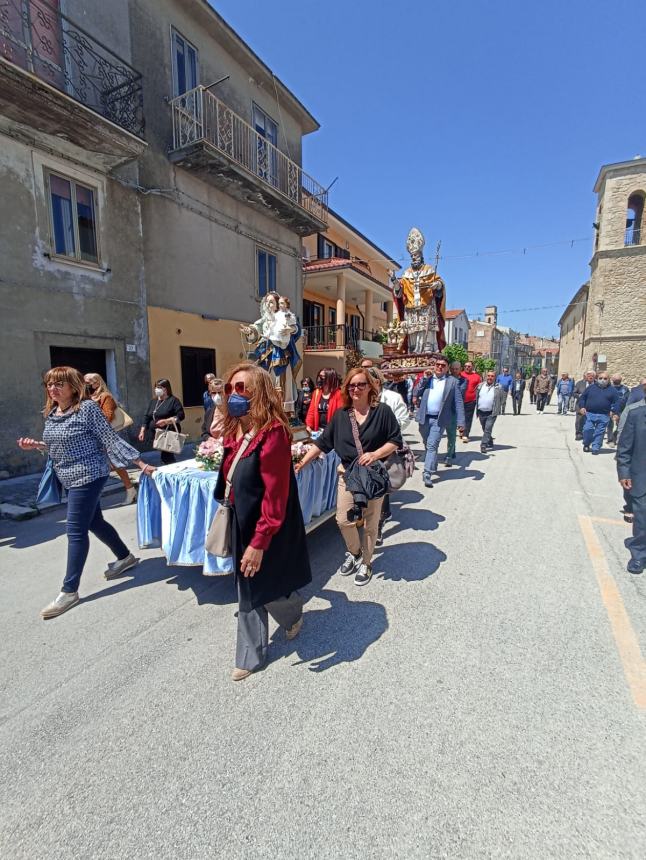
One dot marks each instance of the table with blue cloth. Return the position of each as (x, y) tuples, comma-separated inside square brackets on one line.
[(175, 508)]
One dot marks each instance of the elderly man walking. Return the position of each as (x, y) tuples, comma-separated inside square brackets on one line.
[(505, 380), (452, 429), (440, 402), (600, 404), (631, 470), (517, 391), (564, 390), (624, 392), (542, 389), (489, 400), (473, 381), (588, 378)]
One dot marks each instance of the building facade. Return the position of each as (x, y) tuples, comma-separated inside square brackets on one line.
[(346, 298), (72, 286), (152, 165), (572, 325), (614, 327), (457, 327)]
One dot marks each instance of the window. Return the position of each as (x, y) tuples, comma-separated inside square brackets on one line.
[(196, 363), (266, 266), (72, 210), (185, 65), (328, 250), (266, 156), (634, 217)]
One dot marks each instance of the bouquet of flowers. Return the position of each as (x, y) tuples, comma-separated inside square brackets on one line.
[(209, 455), (299, 450)]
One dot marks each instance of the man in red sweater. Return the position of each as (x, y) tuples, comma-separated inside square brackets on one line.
[(473, 381)]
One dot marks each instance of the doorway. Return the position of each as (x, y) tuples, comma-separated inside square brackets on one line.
[(84, 360)]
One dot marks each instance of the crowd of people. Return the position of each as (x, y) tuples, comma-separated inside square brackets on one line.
[(361, 418)]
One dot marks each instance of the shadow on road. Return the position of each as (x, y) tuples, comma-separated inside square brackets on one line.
[(413, 518), (215, 590), (340, 634), (411, 562)]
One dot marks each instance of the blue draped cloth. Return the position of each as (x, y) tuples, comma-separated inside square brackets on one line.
[(176, 508)]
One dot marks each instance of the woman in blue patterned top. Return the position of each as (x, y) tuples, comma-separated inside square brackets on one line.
[(79, 441)]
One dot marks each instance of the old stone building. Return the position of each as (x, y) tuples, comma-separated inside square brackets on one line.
[(614, 325), (150, 169), (572, 325)]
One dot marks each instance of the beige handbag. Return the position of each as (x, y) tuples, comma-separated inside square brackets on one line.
[(218, 537), (170, 440), (120, 419)]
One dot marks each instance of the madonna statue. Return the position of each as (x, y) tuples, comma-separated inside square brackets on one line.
[(274, 337)]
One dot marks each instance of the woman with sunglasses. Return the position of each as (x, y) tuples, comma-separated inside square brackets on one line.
[(379, 435), (79, 441), (325, 400), (268, 535)]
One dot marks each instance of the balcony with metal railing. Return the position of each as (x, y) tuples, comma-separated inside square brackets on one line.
[(211, 139), (60, 80), (633, 236), (318, 338)]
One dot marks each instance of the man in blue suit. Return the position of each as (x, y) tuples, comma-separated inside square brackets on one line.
[(441, 401), (631, 469)]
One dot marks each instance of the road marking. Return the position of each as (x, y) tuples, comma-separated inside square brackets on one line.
[(609, 522), (626, 641)]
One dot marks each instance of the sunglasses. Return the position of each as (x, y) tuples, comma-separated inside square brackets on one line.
[(238, 388), (358, 385)]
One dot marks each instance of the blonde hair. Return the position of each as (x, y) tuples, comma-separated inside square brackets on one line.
[(266, 401), (373, 391), (102, 389), (73, 378)]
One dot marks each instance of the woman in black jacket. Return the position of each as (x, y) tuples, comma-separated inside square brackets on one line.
[(380, 436), (268, 534), (164, 410), (304, 398)]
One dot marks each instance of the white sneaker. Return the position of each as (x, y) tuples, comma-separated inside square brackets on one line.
[(131, 496), (63, 602), (350, 564), (116, 569)]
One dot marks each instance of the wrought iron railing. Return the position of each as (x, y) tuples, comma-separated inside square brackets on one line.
[(633, 236), (199, 116), (335, 336), (39, 39)]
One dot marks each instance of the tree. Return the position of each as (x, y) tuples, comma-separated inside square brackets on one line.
[(482, 365), (455, 352)]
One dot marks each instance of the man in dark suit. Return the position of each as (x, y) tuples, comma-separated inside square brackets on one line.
[(579, 388), (517, 391), (441, 401), (631, 469)]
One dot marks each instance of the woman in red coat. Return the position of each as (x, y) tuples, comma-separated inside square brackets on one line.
[(268, 534), (325, 400)]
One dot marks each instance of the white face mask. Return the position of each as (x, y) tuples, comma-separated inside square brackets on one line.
[(217, 399), (159, 392)]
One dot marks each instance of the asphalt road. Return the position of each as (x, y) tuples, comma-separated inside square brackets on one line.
[(485, 696)]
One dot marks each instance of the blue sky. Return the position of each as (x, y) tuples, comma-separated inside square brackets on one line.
[(483, 122)]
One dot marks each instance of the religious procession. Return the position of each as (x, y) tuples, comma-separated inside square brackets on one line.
[(322, 494)]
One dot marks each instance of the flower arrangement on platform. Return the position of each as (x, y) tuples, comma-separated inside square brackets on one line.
[(299, 450), (209, 455)]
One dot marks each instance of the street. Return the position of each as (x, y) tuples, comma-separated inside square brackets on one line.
[(484, 696)]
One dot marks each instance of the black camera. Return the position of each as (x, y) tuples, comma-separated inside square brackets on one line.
[(355, 514)]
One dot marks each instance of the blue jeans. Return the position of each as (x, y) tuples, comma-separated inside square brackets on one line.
[(431, 435), (84, 515), (564, 402), (594, 429)]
